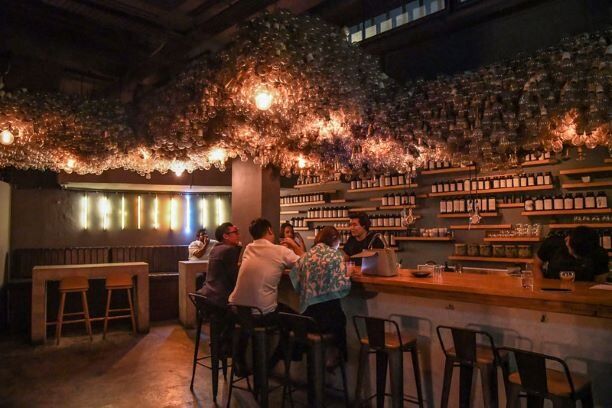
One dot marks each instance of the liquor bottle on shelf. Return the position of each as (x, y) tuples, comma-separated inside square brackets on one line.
[(602, 200), (397, 199), (523, 180), (528, 204), (579, 201), (492, 204), (412, 199), (606, 240), (538, 204), (589, 200), (540, 179), (568, 202), (548, 178), (548, 203)]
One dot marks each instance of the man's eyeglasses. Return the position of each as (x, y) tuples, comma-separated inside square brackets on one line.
[(236, 231)]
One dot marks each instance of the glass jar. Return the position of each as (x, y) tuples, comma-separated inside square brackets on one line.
[(499, 251), (472, 250), (485, 250), (511, 251), (524, 251), (461, 249)]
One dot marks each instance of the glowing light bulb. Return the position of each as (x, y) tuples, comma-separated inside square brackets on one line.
[(263, 99), (70, 163), (217, 154), (7, 137), (178, 168), (301, 162)]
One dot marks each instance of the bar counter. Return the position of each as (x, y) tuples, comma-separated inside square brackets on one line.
[(495, 290), (576, 326)]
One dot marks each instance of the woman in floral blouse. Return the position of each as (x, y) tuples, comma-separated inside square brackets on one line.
[(321, 279)]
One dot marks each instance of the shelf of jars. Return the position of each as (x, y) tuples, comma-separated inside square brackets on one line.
[(586, 171), (586, 186), (481, 227), (467, 215), (567, 212), (543, 162), (327, 219), (512, 239), (448, 170), (493, 191), (490, 259), (510, 205), (396, 207), (326, 185), (364, 209), (574, 225), (387, 188), (304, 204), (438, 239)]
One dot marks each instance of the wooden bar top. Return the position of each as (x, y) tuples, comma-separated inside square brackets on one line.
[(495, 290)]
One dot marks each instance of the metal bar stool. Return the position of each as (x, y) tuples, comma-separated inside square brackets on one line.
[(467, 355), (304, 333), (75, 284), (252, 325), (383, 337), (538, 382), (119, 281), (215, 315)]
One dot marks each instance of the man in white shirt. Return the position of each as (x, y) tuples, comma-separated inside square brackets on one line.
[(199, 250), (262, 267)]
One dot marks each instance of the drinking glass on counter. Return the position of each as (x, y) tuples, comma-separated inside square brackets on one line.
[(437, 273), (567, 279), (350, 267), (527, 280)]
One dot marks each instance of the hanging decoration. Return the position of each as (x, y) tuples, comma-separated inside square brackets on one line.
[(292, 92)]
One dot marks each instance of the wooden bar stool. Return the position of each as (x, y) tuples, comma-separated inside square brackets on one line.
[(538, 382), (119, 281), (467, 355), (303, 336), (75, 284), (383, 337)]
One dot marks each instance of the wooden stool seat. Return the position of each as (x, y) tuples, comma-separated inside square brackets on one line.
[(119, 281), (556, 381), (392, 341), (484, 354), (74, 284)]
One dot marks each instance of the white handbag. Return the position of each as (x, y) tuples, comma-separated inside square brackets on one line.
[(378, 261)]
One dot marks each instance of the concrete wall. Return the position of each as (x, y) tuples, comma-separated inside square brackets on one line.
[(48, 218)]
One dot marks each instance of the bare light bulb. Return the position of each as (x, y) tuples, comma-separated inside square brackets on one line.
[(70, 163), (7, 137), (301, 162), (263, 99), (217, 154)]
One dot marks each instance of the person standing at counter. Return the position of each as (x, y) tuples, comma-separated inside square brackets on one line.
[(361, 237), (199, 250), (579, 252)]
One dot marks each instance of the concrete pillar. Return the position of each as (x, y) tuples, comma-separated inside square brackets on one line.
[(255, 193)]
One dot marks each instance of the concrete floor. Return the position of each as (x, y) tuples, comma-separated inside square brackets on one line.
[(152, 370)]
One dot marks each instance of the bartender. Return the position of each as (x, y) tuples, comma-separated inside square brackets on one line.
[(579, 252), (361, 237)]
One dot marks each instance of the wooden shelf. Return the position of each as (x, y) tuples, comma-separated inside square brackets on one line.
[(574, 225), (398, 187), (375, 198), (357, 209), (329, 219), (586, 170), (337, 201), (533, 163), (303, 204), (396, 207), (609, 160), (467, 215), (490, 259), (292, 212), (388, 229), (445, 239), (301, 229), (567, 212), (511, 205), (492, 191), (313, 185), (449, 170), (513, 239), (481, 227), (592, 184)]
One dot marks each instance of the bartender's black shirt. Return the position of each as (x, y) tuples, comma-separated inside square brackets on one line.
[(554, 251), (353, 246)]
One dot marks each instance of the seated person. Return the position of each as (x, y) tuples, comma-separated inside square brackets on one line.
[(361, 237), (287, 231), (262, 266), (579, 252), (199, 250), (321, 279), (223, 265)]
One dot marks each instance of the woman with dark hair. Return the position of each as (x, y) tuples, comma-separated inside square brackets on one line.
[(578, 252), (287, 231), (321, 279)]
